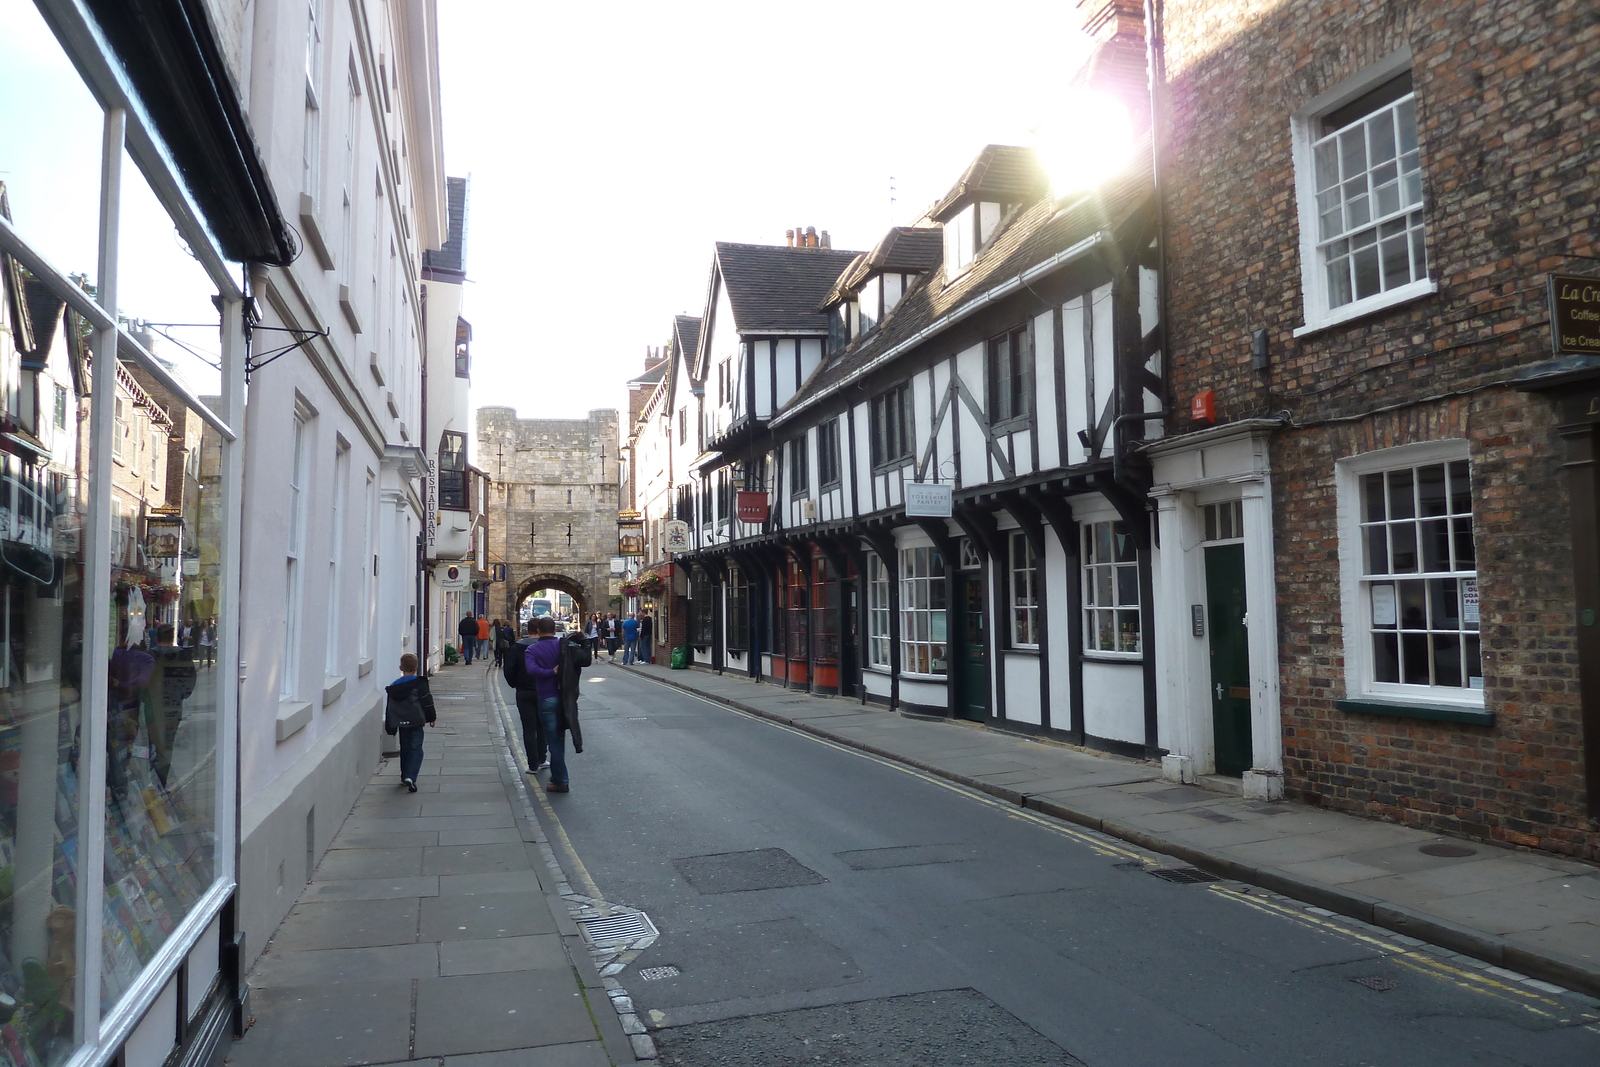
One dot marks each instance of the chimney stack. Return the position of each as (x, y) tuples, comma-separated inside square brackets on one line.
[(826, 241), (788, 236), (1117, 62), (811, 237)]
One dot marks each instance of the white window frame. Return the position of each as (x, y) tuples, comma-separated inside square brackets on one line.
[(299, 504), (1091, 566), (1303, 129), (879, 608), (1022, 583), (913, 608), (1355, 586), (334, 640)]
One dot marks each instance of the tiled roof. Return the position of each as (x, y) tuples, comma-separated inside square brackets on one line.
[(1026, 240), (44, 315), (652, 375), (685, 335), (1005, 173), (776, 289), (904, 249), (453, 255)]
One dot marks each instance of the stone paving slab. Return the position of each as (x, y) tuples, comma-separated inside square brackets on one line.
[(432, 931), (1533, 912)]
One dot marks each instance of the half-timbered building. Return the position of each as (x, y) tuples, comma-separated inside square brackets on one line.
[(945, 512)]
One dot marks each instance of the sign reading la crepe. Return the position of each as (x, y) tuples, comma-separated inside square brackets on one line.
[(1575, 315)]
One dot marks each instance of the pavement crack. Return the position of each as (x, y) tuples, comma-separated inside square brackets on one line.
[(411, 1038)]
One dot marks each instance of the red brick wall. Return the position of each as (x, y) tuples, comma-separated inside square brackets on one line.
[(1508, 100)]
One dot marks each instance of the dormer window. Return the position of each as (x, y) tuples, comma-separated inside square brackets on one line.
[(967, 232)]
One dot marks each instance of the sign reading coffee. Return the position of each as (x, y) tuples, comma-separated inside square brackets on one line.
[(1574, 314)]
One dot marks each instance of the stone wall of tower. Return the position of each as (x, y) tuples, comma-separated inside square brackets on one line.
[(553, 503)]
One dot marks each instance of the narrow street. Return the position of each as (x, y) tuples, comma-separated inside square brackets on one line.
[(805, 892)]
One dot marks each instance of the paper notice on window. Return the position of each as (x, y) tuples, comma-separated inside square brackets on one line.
[(1383, 606), (1469, 601)]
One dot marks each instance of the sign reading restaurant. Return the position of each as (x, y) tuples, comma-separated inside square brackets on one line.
[(1574, 315)]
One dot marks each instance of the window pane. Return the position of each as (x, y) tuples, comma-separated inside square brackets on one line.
[(1474, 666), (1466, 553), (1352, 153), (1372, 492), (1340, 289), (1102, 542), (1377, 550), (1102, 586), (1123, 542), (1127, 585), (1414, 659), (1460, 490), (1367, 278), (1403, 545), (1431, 489), (1436, 545), (163, 703), (1106, 630), (1326, 160), (1385, 658), (1381, 135), (1406, 118), (1446, 660), (1401, 502), (1413, 605), (1127, 631), (1395, 256), (1445, 596)]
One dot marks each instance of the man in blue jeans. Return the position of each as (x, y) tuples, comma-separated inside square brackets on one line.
[(630, 640), (542, 662)]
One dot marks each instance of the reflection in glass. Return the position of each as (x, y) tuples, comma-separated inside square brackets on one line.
[(49, 142), (45, 371), (162, 692)]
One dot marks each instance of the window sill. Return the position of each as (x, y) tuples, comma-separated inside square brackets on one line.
[(293, 715), (1024, 650), (1014, 425), (1113, 657), (332, 689), (917, 676), (1370, 306), (1409, 710)]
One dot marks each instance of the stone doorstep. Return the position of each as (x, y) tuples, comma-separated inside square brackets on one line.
[(1254, 861)]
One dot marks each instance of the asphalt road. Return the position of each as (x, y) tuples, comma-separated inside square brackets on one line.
[(824, 906)]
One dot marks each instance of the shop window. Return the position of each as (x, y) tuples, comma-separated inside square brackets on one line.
[(824, 612), (1413, 629), (1110, 590), (798, 603), (738, 611), (1024, 593), (922, 611), (877, 612), (702, 610), (453, 471)]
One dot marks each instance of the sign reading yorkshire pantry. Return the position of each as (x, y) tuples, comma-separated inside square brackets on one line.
[(1574, 314)]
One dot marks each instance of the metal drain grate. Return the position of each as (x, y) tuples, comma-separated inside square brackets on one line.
[(1184, 875), (1378, 982), (655, 974), (607, 931)]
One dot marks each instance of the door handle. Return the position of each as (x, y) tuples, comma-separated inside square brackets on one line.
[(1219, 690)]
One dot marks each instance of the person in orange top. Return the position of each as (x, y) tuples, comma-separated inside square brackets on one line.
[(483, 636)]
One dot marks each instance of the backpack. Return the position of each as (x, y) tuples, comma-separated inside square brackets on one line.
[(513, 668), (404, 714)]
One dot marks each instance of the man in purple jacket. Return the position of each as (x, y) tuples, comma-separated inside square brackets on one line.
[(541, 661)]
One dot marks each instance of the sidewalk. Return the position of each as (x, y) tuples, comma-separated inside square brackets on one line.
[(434, 931), (1531, 913)]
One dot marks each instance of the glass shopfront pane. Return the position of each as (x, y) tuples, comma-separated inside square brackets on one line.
[(43, 516), (162, 707), (49, 143)]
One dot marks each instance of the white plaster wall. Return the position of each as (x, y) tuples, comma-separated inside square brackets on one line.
[(877, 683), (1045, 369), (923, 692), (1022, 687), (1113, 700), (1060, 652)]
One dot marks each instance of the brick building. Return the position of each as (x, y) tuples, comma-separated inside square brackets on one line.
[(553, 506), (1362, 204)]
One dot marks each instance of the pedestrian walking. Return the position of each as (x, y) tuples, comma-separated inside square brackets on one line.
[(630, 640), (592, 634), (467, 630), (514, 669), (554, 664), (647, 633), (612, 632), (483, 637), (408, 710), (501, 635), (208, 640)]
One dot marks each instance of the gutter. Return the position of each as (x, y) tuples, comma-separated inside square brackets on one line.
[(964, 311)]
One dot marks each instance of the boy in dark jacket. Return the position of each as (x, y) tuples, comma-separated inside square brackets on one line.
[(409, 709)]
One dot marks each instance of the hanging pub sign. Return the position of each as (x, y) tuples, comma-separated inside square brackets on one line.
[(453, 578), (751, 506), (497, 572), (925, 500), (675, 533), (1574, 315), (163, 537), (630, 537)]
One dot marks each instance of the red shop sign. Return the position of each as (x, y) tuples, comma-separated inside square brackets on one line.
[(752, 506)]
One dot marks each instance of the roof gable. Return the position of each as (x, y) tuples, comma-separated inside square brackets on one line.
[(777, 289), (1006, 174)]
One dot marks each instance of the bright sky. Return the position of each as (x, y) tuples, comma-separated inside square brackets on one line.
[(610, 145)]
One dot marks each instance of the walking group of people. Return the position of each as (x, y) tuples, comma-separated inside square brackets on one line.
[(542, 668), (632, 634)]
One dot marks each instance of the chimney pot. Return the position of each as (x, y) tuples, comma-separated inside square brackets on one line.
[(827, 242), (788, 236), (811, 237)]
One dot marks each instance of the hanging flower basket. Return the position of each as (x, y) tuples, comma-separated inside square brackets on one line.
[(630, 590), (651, 585)]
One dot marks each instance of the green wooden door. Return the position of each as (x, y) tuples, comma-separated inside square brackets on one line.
[(1230, 657), (971, 654)]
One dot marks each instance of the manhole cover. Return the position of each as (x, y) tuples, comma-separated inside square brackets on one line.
[(655, 974), (1378, 982), (1448, 852), (607, 931), (1183, 875)]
